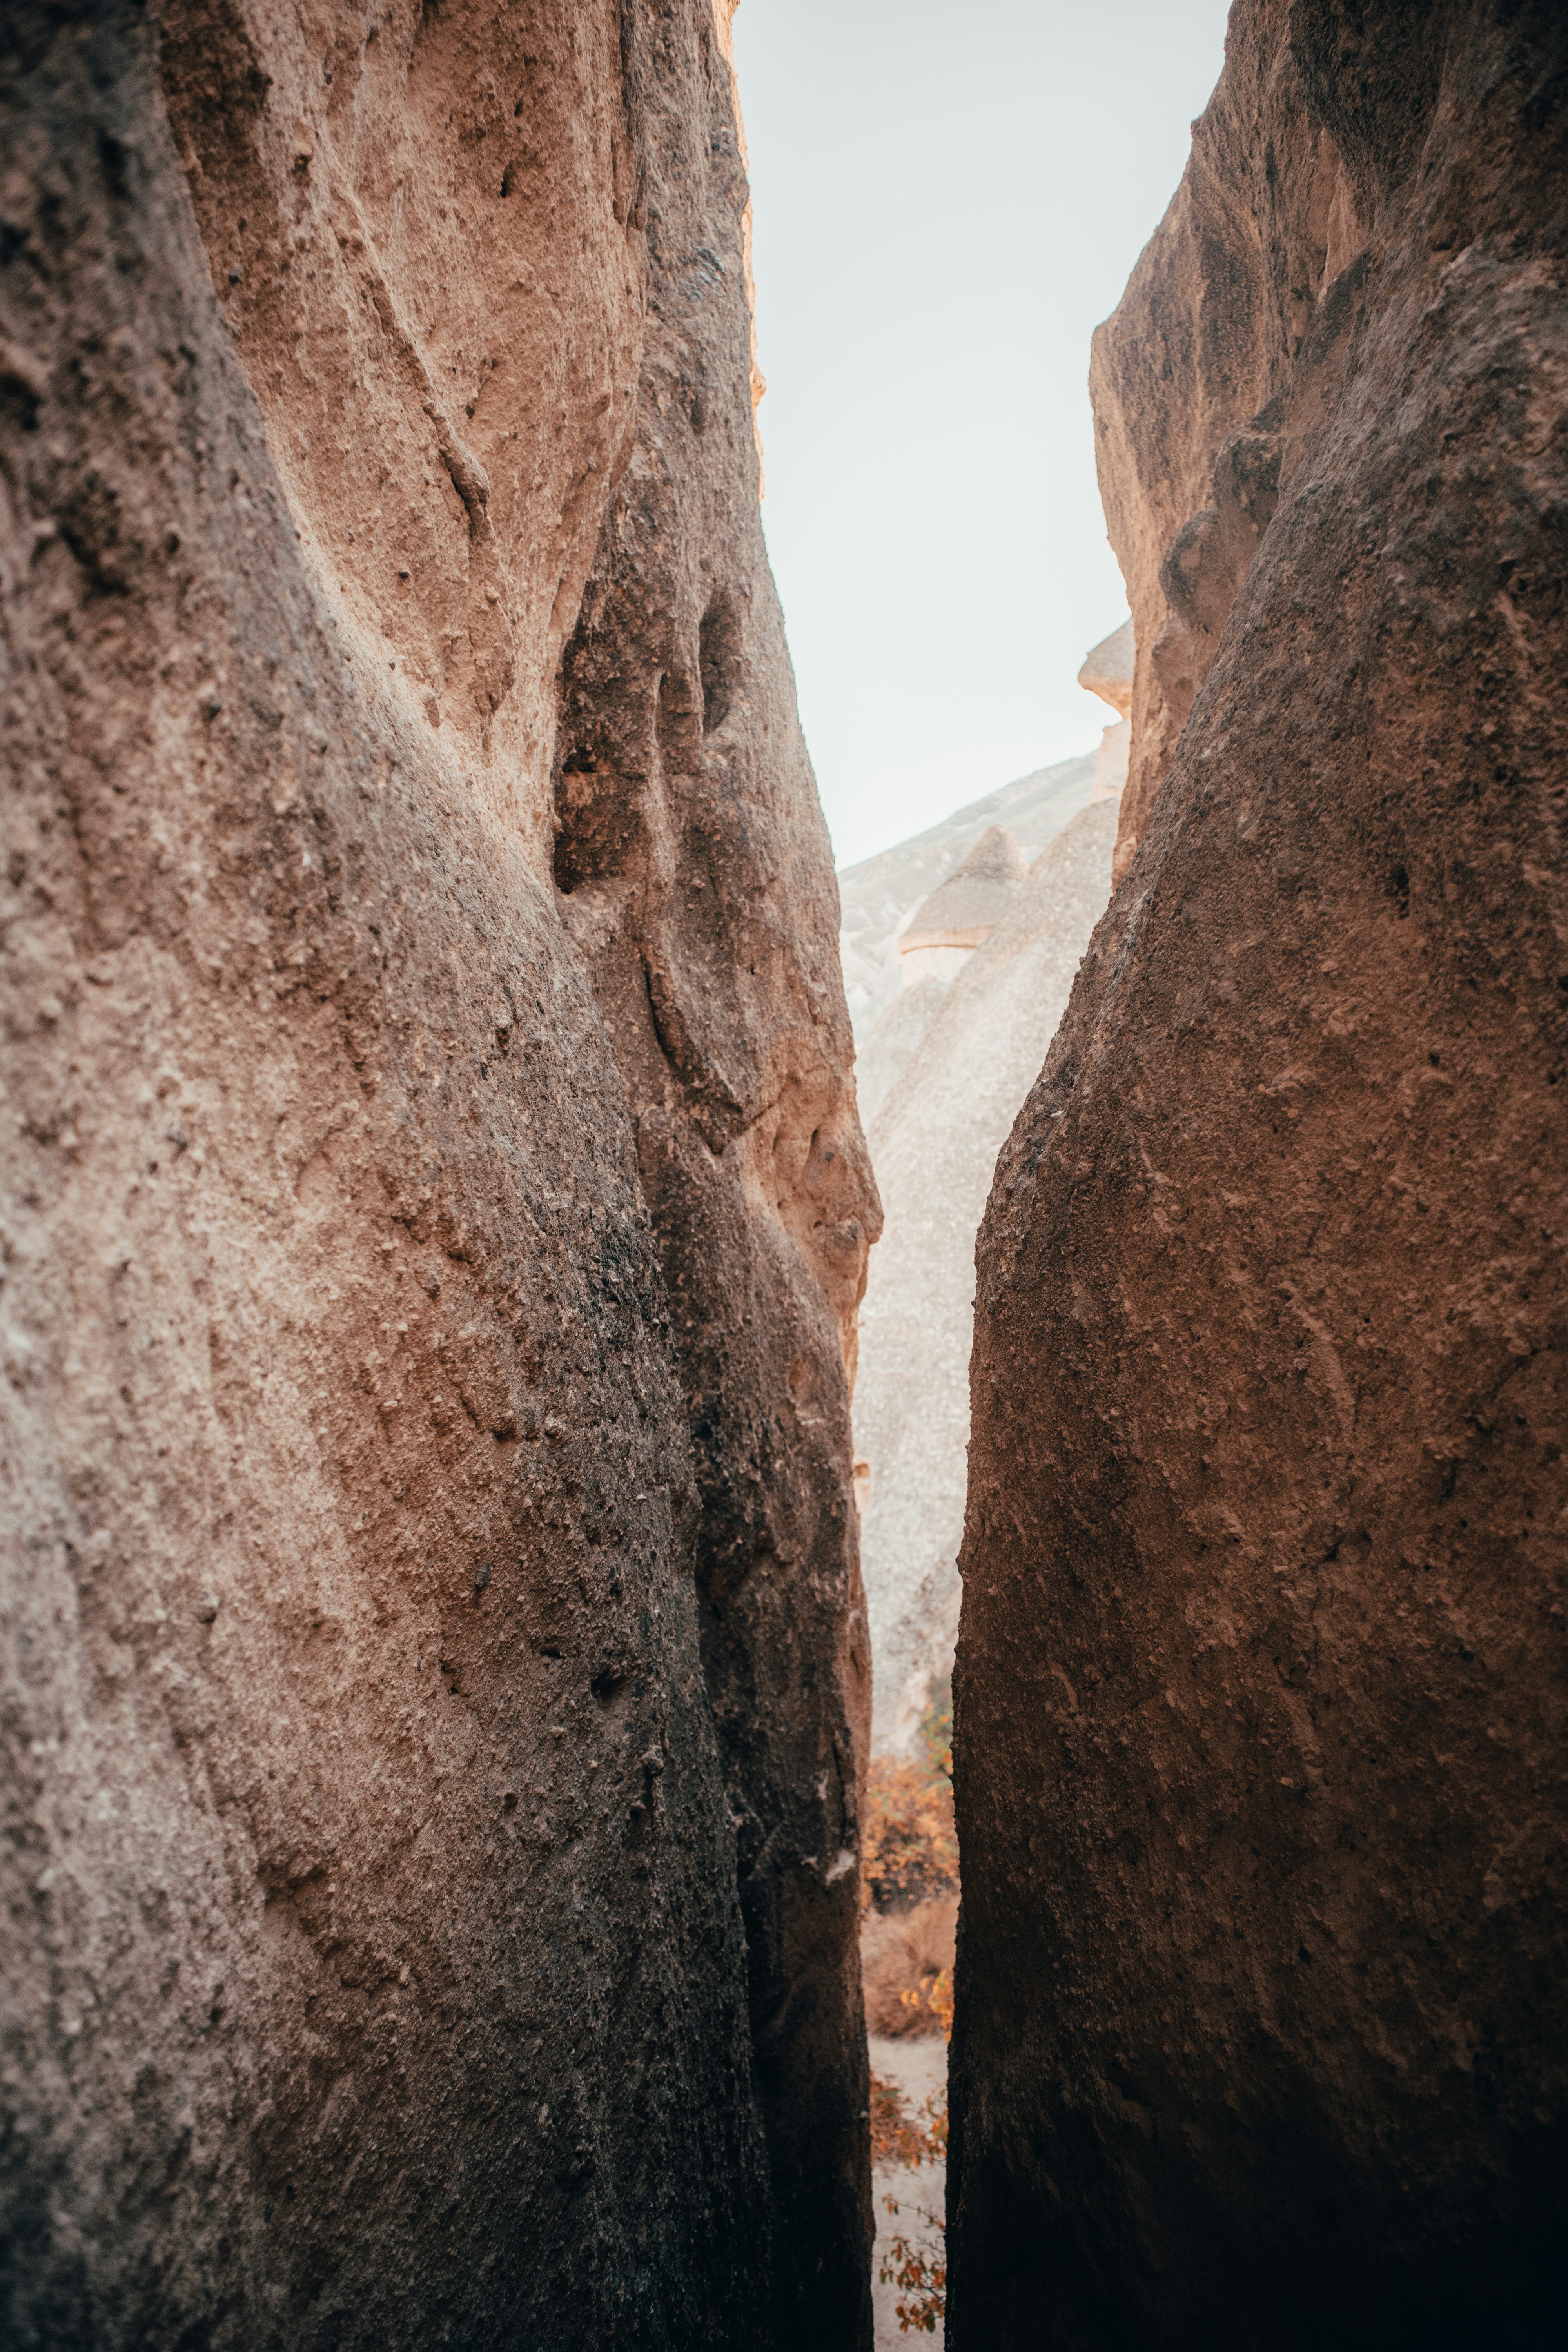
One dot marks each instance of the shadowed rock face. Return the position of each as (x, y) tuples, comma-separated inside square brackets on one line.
[(434, 1668), (695, 875), (1260, 1692)]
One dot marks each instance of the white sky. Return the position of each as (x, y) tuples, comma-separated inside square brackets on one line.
[(946, 202)]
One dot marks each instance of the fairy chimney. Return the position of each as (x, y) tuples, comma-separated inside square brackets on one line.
[(960, 913)]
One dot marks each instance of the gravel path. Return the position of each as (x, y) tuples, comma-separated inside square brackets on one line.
[(917, 2068)]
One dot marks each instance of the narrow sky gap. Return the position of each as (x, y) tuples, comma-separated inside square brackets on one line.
[(945, 209)]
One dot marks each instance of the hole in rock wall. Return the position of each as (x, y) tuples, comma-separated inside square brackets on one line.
[(719, 659), (598, 826)]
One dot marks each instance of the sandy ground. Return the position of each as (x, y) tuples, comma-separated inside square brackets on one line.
[(917, 2068)]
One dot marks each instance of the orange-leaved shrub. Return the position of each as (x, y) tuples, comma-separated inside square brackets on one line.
[(910, 1894), (906, 1965), (916, 2266), (910, 1850), (899, 2137), (920, 2272)]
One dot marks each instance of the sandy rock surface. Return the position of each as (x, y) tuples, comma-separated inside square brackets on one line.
[(917, 2069), (934, 1143), (893, 1044), (1259, 1704), (962, 912), (433, 1672)]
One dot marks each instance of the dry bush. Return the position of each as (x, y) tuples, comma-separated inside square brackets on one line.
[(910, 1850), (906, 1964), (920, 2272), (899, 2137), (909, 1887), (917, 2266)]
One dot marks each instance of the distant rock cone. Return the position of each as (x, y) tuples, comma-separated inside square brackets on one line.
[(962, 913), (878, 895)]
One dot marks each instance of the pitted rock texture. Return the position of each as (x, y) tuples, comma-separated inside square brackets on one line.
[(433, 1662), (1215, 322), (1259, 1696)]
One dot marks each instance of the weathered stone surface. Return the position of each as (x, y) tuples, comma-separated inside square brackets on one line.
[(1107, 669), (894, 1042), (1260, 2034), (696, 880), (433, 1668), (935, 1142)]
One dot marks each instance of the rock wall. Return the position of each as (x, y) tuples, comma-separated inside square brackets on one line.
[(1259, 1699), (433, 1666), (695, 879)]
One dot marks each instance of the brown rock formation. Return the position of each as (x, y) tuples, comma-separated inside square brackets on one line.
[(434, 1662), (1216, 322), (1260, 2033)]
